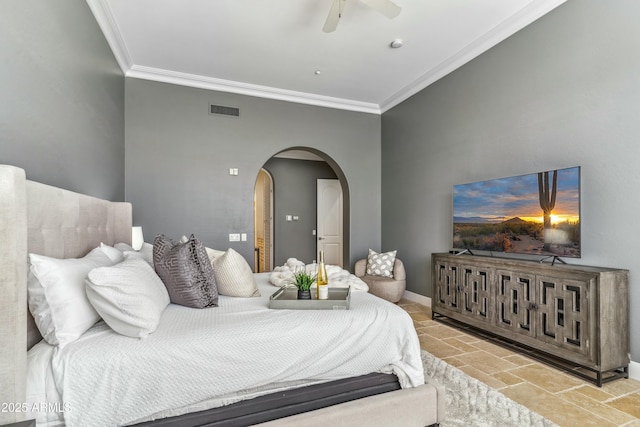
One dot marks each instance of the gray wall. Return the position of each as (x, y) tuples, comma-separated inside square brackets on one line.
[(295, 184), (178, 159), (62, 109), (564, 91)]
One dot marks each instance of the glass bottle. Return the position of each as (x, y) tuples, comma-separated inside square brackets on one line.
[(322, 281)]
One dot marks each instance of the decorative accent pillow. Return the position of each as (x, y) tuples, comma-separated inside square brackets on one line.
[(129, 296), (211, 253), (57, 297), (381, 264), (186, 271), (234, 277)]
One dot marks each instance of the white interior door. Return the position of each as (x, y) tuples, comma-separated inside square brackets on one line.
[(329, 221)]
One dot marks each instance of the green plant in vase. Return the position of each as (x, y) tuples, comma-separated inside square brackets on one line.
[(303, 281)]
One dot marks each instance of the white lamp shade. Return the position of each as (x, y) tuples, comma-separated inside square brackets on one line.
[(137, 239)]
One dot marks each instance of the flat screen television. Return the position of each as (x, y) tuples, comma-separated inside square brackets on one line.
[(535, 214)]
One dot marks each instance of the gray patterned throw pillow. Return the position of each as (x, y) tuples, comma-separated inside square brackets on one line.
[(186, 271), (381, 264)]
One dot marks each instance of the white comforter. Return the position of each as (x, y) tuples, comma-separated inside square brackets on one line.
[(198, 359)]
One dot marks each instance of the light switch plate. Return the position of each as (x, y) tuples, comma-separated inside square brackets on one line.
[(234, 237)]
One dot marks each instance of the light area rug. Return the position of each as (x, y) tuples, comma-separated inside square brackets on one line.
[(471, 403)]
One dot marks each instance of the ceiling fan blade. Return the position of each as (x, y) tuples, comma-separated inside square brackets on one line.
[(385, 7), (331, 23)]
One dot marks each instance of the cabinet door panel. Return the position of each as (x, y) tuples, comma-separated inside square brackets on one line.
[(446, 285), (515, 302), (563, 312), (476, 296)]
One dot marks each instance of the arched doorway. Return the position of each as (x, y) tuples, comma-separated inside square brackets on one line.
[(263, 222), (295, 173)]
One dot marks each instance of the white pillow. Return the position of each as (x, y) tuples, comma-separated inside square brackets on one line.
[(213, 253), (234, 277), (122, 247), (145, 253), (114, 254), (57, 297), (129, 296)]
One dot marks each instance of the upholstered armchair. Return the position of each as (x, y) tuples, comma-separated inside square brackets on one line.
[(389, 288)]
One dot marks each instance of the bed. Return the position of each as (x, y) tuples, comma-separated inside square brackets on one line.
[(44, 220)]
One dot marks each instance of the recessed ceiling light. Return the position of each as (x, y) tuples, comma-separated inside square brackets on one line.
[(397, 43), (317, 72)]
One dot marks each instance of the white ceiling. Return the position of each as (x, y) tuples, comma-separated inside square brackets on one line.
[(273, 48)]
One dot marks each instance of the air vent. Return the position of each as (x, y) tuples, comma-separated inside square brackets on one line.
[(219, 110)]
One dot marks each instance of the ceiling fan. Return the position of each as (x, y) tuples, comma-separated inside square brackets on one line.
[(385, 7)]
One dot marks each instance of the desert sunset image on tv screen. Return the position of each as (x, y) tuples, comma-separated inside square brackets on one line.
[(537, 214)]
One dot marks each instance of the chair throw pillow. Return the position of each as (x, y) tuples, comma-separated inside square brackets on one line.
[(186, 271), (381, 264)]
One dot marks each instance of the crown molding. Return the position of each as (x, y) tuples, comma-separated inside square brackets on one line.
[(500, 32), (210, 83), (109, 27), (102, 12)]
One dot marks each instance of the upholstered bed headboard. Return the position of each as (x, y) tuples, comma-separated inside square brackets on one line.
[(41, 219)]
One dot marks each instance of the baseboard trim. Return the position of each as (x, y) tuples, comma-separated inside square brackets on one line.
[(634, 370), (420, 299)]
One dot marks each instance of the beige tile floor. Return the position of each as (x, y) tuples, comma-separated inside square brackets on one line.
[(562, 398)]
